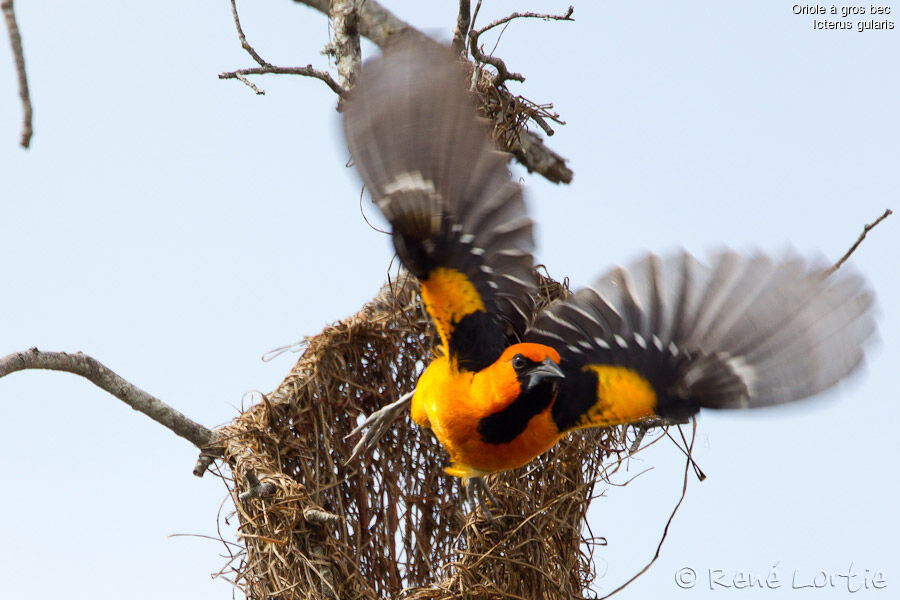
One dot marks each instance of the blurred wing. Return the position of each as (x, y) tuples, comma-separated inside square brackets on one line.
[(668, 336), (458, 222)]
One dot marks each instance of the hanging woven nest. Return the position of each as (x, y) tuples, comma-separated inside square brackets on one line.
[(393, 524)]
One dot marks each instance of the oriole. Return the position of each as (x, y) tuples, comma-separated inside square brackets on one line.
[(662, 338)]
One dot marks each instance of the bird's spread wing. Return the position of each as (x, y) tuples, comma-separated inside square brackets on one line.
[(668, 336), (458, 222)]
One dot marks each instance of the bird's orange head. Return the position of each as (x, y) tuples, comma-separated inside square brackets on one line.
[(523, 367), (536, 353), (521, 384)]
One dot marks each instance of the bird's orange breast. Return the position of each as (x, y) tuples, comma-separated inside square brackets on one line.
[(453, 403)]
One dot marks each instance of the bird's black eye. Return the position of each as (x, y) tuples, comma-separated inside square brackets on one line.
[(519, 362)]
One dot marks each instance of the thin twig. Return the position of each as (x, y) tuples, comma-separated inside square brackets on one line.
[(475, 15), (244, 43), (265, 67), (259, 91), (503, 74), (203, 537), (687, 468), (365, 217), (104, 378), (567, 16), (307, 71), (15, 40), (686, 450), (887, 212)]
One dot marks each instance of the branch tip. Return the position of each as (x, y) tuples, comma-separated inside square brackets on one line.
[(15, 41), (869, 227), (265, 67)]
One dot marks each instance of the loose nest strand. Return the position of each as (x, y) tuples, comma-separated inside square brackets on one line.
[(392, 524)]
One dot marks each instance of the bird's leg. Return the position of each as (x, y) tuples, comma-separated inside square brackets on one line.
[(640, 431), (478, 493), (642, 427), (376, 424)]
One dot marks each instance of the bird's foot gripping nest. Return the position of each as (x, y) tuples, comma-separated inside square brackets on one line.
[(478, 493), (376, 425)]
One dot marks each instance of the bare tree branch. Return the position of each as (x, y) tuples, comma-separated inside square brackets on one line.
[(244, 43), (381, 26), (567, 16), (542, 123), (265, 67), (259, 91), (104, 378), (375, 22), (463, 22), (208, 457), (503, 73), (887, 212), (345, 48), (306, 71), (537, 157), (15, 40)]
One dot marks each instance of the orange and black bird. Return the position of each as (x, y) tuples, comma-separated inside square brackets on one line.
[(662, 338)]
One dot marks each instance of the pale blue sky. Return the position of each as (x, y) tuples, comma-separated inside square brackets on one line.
[(177, 227)]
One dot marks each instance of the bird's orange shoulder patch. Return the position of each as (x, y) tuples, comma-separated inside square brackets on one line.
[(449, 296), (623, 396)]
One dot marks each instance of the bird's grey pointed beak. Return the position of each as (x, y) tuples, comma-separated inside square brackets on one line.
[(545, 370)]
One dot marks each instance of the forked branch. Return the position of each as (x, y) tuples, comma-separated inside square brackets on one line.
[(267, 68), (503, 73)]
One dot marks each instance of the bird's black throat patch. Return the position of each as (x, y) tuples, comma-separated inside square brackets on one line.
[(505, 425)]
